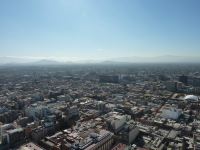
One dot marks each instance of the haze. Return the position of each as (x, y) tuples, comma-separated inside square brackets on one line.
[(99, 30)]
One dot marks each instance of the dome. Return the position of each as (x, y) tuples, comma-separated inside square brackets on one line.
[(191, 97)]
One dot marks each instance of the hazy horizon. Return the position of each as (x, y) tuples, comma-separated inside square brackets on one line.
[(118, 60)]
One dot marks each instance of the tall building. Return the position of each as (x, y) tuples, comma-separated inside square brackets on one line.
[(183, 79), (11, 135), (129, 133), (3, 129), (194, 81)]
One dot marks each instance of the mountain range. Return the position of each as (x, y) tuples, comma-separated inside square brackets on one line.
[(159, 59), (133, 59)]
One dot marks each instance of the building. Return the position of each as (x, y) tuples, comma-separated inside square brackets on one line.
[(69, 139), (171, 86), (116, 121), (101, 106), (194, 81), (36, 111), (129, 133), (120, 146), (108, 79), (64, 98), (73, 112), (41, 131), (183, 79), (196, 139), (3, 129), (30, 146), (170, 112), (15, 136), (191, 98), (11, 135)]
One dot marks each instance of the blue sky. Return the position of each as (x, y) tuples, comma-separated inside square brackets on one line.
[(99, 29)]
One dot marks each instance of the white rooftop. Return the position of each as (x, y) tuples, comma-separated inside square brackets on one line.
[(191, 97)]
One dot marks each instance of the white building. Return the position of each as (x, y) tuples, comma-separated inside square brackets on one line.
[(64, 98), (191, 98), (36, 111), (117, 121), (171, 112)]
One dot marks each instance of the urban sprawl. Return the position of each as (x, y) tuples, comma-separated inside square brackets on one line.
[(100, 107)]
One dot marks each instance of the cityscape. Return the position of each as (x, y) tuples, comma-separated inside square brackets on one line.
[(96, 106), (99, 75)]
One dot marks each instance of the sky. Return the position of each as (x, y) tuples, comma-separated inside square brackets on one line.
[(99, 29)]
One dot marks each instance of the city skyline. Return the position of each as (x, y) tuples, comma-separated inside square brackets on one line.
[(99, 30), (99, 75)]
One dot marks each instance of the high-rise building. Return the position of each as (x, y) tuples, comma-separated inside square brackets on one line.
[(183, 79)]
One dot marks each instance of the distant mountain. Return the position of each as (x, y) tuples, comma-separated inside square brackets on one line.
[(15, 60), (47, 62), (158, 59), (120, 60), (27, 61)]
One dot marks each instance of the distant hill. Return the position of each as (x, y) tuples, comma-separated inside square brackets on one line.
[(47, 62), (158, 59), (120, 60), (27, 61), (15, 60)]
